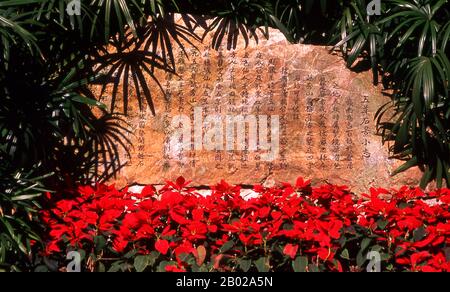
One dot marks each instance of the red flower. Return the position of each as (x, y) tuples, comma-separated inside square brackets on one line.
[(145, 232), (290, 210), (246, 240), (301, 184), (290, 250), (223, 228), (325, 254), (88, 217), (442, 228), (131, 221), (264, 212), (148, 191), (378, 206), (180, 183), (64, 206), (168, 232), (409, 222), (276, 215), (198, 215), (108, 219), (195, 230), (444, 196), (178, 215), (418, 258), (212, 228), (59, 230), (171, 200), (124, 232), (174, 269), (328, 231), (120, 244), (86, 191), (53, 247), (184, 248), (162, 246)]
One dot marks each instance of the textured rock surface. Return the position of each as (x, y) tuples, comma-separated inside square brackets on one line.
[(326, 115)]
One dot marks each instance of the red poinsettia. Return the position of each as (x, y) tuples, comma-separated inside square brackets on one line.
[(174, 269), (283, 227), (162, 246), (291, 250)]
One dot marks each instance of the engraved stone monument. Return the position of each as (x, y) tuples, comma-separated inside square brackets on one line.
[(259, 114)]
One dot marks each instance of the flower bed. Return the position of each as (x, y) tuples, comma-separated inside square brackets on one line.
[(286, 228)]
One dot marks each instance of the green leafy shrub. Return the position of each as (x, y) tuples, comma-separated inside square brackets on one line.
[(19, 225)]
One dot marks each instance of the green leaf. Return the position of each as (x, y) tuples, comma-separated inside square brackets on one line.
[(88, 101), (152, 257), (261, 265), (141, 263), (99, 243), (382, 224), (245, 264), (186, 257), (419, 234), (101, 268), (130, 254), (41, 269), (300, 264), (345, 255), (313, 268), (361, 257), (227, 246), (25, 197), (115, 267), (365, 244), (377, 248), (384, 257), (411, 163)]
